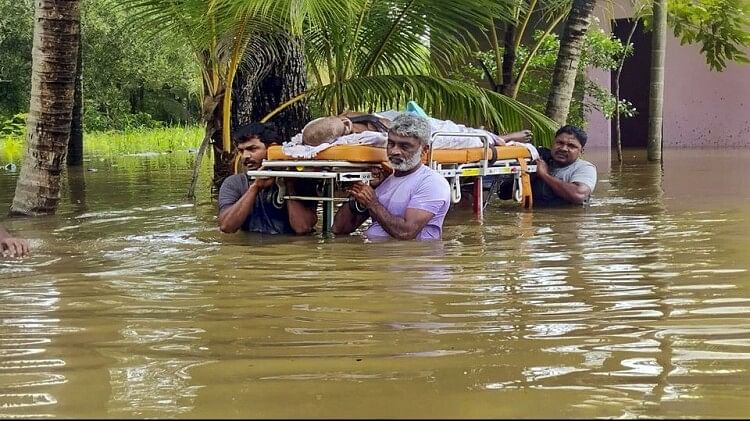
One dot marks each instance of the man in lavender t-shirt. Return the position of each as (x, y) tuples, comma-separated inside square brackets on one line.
[(411, 203)]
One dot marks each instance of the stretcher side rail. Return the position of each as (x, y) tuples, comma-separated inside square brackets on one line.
[(519, 168), (330, 172)]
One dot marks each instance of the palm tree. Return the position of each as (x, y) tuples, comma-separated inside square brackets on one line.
[(656, 91), (361, 55), (54, 58), (219, 33), (548, 14), (566, 67), (382, 56)]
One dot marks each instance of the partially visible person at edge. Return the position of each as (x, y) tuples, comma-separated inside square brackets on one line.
[(12, 246), (411, 203), (564, 178), (249, 205)]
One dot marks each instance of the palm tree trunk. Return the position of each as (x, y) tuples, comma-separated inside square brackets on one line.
[(255, 94), (656, 92), (75, 144), (54, 57), (286, 79), (509, 58), (566, 67)]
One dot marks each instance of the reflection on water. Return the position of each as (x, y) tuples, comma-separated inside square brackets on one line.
[(134, 305)]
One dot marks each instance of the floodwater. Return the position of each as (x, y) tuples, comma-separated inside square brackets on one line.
[(134, 305)]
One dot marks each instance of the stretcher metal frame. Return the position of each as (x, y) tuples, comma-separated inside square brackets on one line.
[(332, 172), (518, 168)]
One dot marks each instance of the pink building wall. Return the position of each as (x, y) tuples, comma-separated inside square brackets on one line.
[(702, 108)]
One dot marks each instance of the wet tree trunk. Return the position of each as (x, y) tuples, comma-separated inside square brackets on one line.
[(258, 89), (566, 67), (54, 58), (509, 59), (75, 144), (255, 97), (656, 92)]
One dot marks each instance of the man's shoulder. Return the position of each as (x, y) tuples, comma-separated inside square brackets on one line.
[(579, 165), (235, 181), (436, 182), (582, 163)]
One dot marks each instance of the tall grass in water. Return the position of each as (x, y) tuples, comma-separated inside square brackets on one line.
[(168, 139), (11, 149)]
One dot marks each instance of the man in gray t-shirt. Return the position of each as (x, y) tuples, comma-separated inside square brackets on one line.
[(566, 179)]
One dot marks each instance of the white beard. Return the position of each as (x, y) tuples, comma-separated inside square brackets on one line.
[(409, 163)]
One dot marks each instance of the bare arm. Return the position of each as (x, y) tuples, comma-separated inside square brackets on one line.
[(575, 193), (523, 136), (346, 221), (406, 228), (232, 217), (302, 218), (12, 247)]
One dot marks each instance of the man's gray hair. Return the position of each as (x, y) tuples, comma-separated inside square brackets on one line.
[(411, 125)]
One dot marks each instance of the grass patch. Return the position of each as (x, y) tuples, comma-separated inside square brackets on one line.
[(11, 149), (112, 143), (168, 139)]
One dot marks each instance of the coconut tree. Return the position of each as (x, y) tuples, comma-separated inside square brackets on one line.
[(54, 58), (656, 89), (549, 13), (220, 34), (382, 56), (566, 66), (362, 54)]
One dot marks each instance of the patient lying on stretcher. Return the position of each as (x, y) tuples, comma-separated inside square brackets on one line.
[(371, 129)]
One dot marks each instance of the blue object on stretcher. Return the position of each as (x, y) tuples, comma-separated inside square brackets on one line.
[(414, 108)]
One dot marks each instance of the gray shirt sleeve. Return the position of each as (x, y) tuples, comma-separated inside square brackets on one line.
[(580, 171), (232, 189), (585, 174)]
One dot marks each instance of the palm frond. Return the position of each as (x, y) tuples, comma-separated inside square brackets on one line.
[(440, 97)]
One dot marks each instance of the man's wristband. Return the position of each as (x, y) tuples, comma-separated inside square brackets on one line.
[(355, 207)]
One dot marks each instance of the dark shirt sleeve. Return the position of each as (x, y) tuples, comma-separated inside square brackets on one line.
[(231, 190)]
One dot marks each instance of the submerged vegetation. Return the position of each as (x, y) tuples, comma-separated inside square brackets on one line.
[(113, 143)]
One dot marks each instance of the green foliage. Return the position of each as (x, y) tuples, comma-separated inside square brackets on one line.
[(14, 126), (115, 143), (601, 51), (389, 52), (159, 140), (719, 26), (16, 23), (130, 80)]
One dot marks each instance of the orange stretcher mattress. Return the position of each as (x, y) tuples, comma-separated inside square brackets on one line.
[(350, 153), (463, 156), (363, 153)]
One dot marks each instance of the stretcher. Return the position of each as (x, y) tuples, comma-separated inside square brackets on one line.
[(333, 167), (341, 164), (473, 164)]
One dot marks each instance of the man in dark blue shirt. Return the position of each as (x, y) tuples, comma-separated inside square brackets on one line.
[(249, 206)]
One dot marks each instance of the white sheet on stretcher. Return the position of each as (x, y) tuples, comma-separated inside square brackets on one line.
[(295, 148)]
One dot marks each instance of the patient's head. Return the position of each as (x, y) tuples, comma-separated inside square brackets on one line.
[(325, 129)]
